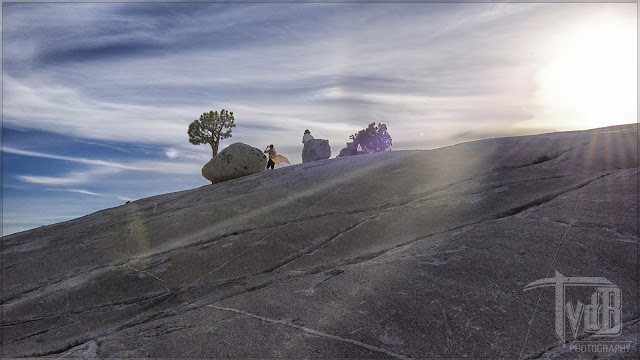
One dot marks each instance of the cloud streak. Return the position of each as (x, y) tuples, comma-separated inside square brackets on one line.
[(79, 191), (73, 178), (97, 162), (177, 167)]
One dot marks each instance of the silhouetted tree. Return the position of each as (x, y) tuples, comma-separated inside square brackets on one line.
[(372, 139), (208, 130)]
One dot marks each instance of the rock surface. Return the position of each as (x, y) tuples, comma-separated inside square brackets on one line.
[(316, 149), (402, 254), (350, 150), (234, 161)]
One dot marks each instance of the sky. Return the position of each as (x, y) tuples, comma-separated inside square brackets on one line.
[(97, 97)]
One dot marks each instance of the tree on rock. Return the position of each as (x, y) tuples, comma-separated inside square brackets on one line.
[(209, 129), (372, 139)]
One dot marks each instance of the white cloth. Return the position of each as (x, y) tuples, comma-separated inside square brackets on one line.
[(306, 138)]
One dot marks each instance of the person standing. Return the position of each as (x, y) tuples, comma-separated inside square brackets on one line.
[(272, 155), (307, 136)]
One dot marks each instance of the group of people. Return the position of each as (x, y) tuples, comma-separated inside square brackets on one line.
[(274, 158)]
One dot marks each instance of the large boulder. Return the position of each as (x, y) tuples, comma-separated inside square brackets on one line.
[(316, 149), (235, 161)]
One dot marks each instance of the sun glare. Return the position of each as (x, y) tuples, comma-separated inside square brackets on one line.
[(591, 77)]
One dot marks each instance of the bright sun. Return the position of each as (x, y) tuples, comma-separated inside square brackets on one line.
[(591, 77)]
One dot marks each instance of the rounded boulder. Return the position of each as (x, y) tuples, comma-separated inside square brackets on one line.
[(236, 160)]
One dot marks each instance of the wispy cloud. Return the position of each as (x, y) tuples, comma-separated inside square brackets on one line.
[(78, 191), (58, 108), (172, 153), (70, 179), (107, 166), (97, 162), (86, 192)]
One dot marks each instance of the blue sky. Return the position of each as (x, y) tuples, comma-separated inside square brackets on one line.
[(97, 97)]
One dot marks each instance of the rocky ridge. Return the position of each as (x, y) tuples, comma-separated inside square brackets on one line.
[(401, 254)]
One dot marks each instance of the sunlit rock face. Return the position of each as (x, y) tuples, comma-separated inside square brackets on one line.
[(316, 149), (234, 161), (421, 254)]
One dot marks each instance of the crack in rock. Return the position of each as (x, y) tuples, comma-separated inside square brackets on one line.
[(313, 332)]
